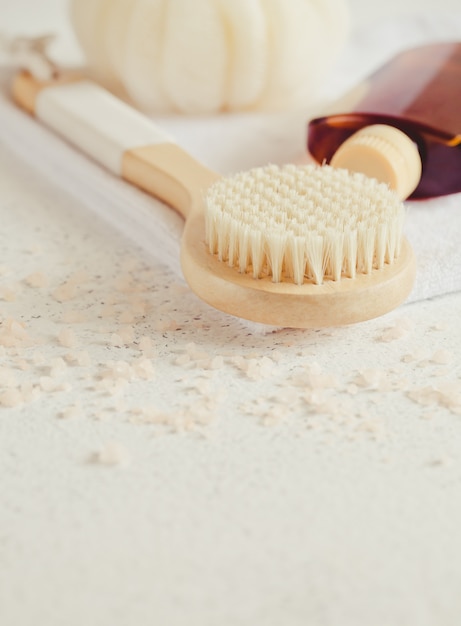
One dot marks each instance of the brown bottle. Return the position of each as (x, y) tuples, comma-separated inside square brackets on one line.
[(419, 94)]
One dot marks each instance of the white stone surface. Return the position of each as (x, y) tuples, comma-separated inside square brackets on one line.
[(167, 464)]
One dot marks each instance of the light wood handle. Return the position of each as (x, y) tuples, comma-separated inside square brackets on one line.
[(117, 136)]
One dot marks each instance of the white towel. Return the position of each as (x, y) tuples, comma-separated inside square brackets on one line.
[(229, 143)]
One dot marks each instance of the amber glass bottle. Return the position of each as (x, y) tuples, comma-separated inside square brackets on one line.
[(419, 93)]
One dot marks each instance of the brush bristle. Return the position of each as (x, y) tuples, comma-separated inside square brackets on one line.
[(303, 223)]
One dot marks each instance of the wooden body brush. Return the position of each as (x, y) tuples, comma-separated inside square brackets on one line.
[(293, 246)]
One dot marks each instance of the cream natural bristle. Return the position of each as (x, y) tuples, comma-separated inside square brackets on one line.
[(305, 223)]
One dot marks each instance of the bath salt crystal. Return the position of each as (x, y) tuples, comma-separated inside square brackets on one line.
[(126, 333), (392, 334), (314, 397), (38, 358), (71, 412), (145, 344), (107, 310), (36, 280), (65, 292), (372, 378), (183, 359), (352, 389), (57, 366), (144, 369), (416, 355), (47, 383), (111, 454), (442, 357), (216, 363), (81, 358), (79, 277), (115, 340), (371, 426), (11, 398), (22, 364), (140, 307), (126, 317), (7, 377), (30, 392), (424, 396), (15, 328), (67, 338), (8, 294)]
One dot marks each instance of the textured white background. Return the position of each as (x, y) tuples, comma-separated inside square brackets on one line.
[(347, 515)]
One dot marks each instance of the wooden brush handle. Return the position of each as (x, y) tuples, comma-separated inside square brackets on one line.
[(117, 136)]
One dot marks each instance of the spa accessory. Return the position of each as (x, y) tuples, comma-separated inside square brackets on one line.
[(403, 126), (326, 246)]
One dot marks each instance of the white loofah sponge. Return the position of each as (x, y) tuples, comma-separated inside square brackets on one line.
[(205, 56)]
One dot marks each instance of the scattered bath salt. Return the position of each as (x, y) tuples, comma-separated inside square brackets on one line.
[(118, 370), (417, 355), (441, 373), (57, 366), (11, 398), (116, 340), (255, 369), (424, 363), (38, 358), (424, 396), (427, 415), (126, 317), (107, 310), (47, 383), (22, 364), (7, 377), (112, 386), (111, 454), (30, 392), (167, 325), (50, 384), (144, 368), (67, 338), (442, 357), (8, 294), (277, 356), (320, 381), (352, 389), (79, 277), (371, 426), (36, 280), (71, 412), (15, 329), (83, 358), (183, 359), (65, 292), (74, 317), (216, 363), (203, 386), (314, 397), (139, 307), (393, 333), (127, 334), (372, 378)]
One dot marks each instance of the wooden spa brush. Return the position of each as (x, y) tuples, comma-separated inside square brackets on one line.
[(292, 246)]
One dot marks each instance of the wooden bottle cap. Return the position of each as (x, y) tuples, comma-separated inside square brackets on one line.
[(385, 153)]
